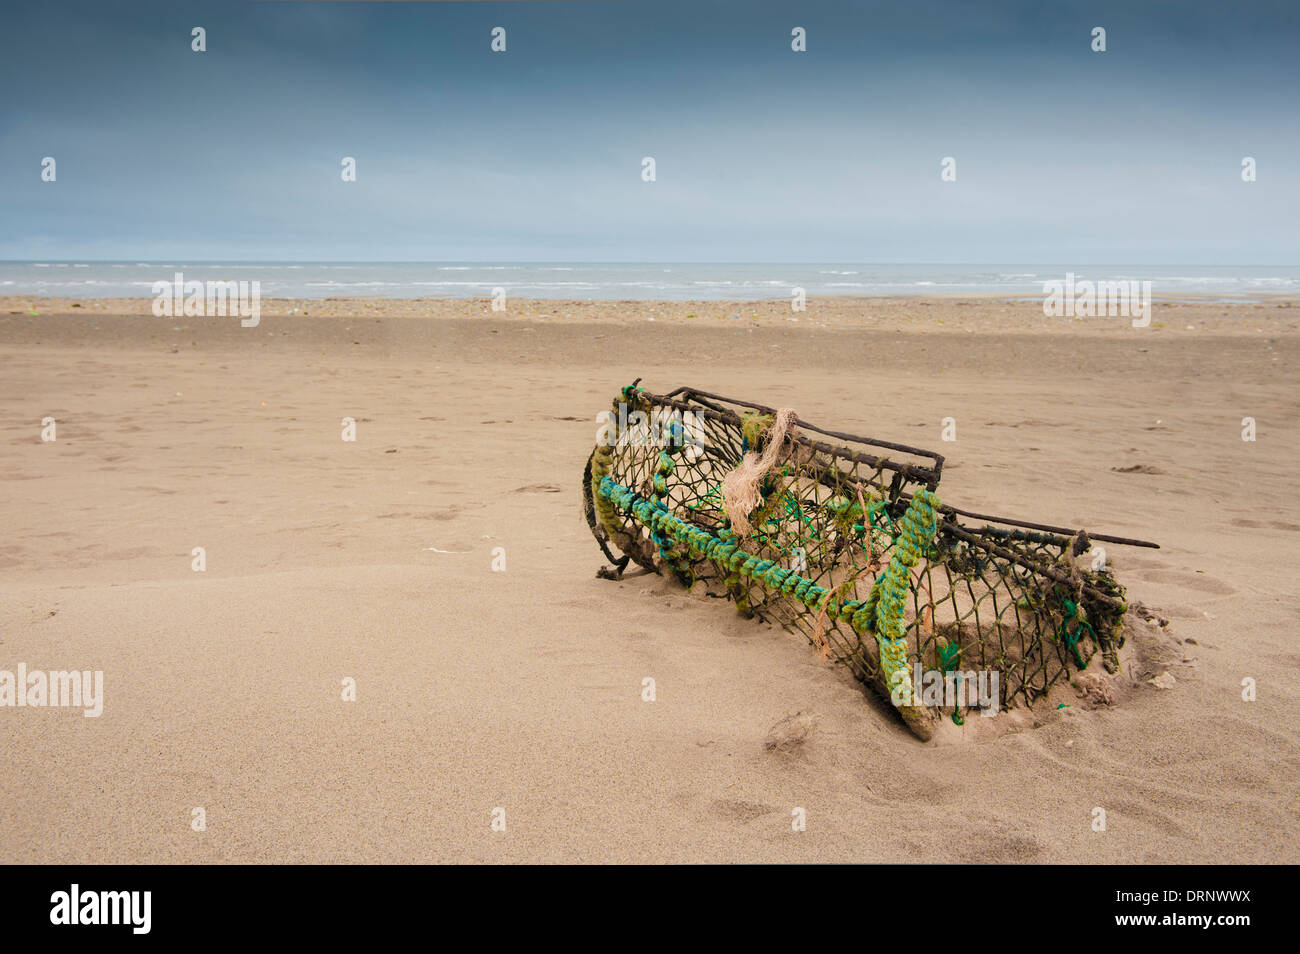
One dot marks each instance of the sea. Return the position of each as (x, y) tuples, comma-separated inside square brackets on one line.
[(622, 282)]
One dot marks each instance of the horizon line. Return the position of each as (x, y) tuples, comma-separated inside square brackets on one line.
[(558, 261)]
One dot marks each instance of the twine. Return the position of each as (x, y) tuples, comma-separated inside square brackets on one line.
[(742, 487)]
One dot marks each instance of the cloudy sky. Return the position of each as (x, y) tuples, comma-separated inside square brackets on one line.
[(1132, 156)]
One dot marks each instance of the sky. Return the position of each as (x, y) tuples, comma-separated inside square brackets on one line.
[(762, 154)]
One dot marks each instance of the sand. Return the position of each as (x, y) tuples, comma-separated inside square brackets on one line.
[(372, 560)]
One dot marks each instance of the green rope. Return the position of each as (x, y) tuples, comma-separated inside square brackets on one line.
[(1079, 615), (881, 614), (949, 654), (918, 528), (602, 462)]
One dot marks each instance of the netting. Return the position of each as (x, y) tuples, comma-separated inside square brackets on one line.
[(852, 549)]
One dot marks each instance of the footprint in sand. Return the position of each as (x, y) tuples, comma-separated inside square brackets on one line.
[(1261, 525), (538, 489), (1151, 816), (1138, 469)]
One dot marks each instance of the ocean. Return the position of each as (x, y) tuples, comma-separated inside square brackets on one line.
[(611, 282)]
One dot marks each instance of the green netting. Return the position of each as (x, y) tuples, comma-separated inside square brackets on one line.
[(850, 548)]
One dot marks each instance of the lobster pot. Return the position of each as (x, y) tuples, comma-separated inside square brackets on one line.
[(849, 545)]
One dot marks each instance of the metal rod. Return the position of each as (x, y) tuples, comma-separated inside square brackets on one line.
[(917, 472), (1046, 528), (874, 442)]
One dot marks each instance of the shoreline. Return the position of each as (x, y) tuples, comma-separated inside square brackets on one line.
[(1245, 298), (919, 314)]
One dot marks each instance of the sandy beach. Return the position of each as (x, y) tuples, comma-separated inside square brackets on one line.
[(372, 560)]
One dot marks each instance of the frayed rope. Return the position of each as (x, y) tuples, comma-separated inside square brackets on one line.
[(742, 487)]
